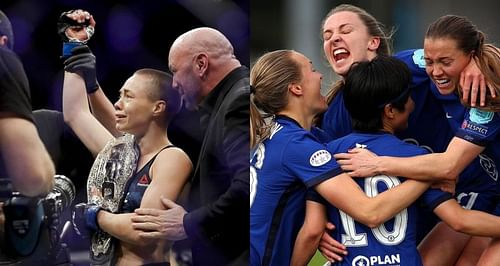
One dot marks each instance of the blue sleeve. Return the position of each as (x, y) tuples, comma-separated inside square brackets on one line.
[(480, 127), (320, 134), (309, 160), (434, 197), (313, 195)]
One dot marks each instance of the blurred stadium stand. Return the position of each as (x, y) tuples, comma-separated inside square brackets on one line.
[(295, 24)]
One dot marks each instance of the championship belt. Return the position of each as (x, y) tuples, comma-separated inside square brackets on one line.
[(106, 184)]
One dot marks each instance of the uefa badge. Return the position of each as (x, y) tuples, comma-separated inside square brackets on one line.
[(480, 117)]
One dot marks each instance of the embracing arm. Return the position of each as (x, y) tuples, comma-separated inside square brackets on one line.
[(445, 165), (470, 222), (342, 192), (310, 233), (473, 82), (170, 172), (27, 162), (77, 114)]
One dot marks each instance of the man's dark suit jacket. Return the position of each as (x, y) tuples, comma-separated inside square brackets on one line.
[(218, 224)]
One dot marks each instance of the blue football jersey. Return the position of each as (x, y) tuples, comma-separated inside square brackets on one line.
[(483, 128), (394, 242), (480, 127), (281, 169), (336, 121), (477, 187), (425, 124)]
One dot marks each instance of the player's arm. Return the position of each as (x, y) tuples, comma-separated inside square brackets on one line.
[(470, 222), (27, 162), (310, 233), (170, 172), (342, 192), (77, 114), (83, 62), (101, 106), (445, 165)]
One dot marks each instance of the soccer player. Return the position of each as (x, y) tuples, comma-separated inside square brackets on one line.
[(351, 34), (450, 43), (377, 96), (287, 158)]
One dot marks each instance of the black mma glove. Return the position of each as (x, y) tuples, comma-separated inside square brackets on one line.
[(63, 24), (83, 63)]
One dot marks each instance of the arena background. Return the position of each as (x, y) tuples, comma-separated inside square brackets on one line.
[(129, 35), (296, 24)]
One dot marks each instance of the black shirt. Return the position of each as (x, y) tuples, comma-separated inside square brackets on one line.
[(14, 91), (14, 86), (218, 224)]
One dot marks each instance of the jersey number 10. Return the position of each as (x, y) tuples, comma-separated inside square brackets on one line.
[(353, 239)]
